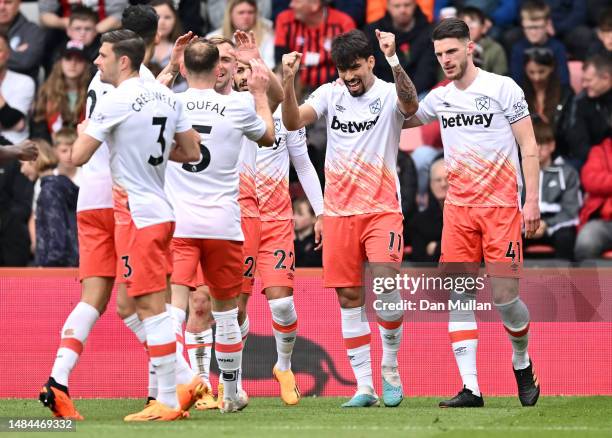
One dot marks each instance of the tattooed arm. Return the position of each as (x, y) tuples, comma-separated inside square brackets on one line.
[(406, 93)]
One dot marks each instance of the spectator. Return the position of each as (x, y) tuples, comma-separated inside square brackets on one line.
[(560, 198), (408, 180), (26, 40), (595, 234), (591, 114), (501, 12), (56, 233), (61, 99), (309, 27), (603, 43), (16, 97), (55, 14), (82, 28), (548, 100), (535, 20), (425, 228), (488, 54), (15, 209), (215, 10), (568, 24), (62, 147), (243, 15), (304, 220), (412, 40), (169, 29)]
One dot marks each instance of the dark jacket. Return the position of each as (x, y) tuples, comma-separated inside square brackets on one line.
[(567, 14), (590, 123), (305, 254), (414, 50), (425, 227), (517, 70), (56, 229), (23, 32), (560, 198)]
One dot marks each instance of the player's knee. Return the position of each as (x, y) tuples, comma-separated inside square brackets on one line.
[(282, 306)]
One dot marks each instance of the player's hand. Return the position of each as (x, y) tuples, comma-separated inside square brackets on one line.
[(539, 233), (318, 230), (291, 64), (181, 43), (258, 80), (246, 47), (26, 151), (386, 40), (531, 218), (165, 79)]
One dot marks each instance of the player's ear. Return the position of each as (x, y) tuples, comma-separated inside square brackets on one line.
[(470, 47), (371, 62), (183, 70)]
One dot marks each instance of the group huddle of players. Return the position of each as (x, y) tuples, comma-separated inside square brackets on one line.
[(187, 194)]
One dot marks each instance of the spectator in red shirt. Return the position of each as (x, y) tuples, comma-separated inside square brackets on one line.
[(308, 27)]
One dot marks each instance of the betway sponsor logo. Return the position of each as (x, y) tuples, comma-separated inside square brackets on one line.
[(467, 120), (353, 127)]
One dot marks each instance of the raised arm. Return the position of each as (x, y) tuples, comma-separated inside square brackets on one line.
[(186, 148), (406, 93), (523, 132), (170, 72), (258, 82), (294, 117)]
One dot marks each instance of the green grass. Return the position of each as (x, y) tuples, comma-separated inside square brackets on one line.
[(321, 417)]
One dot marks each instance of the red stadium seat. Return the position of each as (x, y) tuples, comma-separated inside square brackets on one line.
[(539, 250), (607, 255)]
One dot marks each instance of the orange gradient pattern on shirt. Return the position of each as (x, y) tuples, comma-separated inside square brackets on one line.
[(247, 197), (273, 195), (356, 186), (475, 181)]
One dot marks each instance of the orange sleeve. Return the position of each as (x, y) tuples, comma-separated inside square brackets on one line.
[(375, 10)]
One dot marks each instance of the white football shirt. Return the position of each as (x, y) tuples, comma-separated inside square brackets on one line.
[(138, 121), (480, 150), (96, 183), (249, 204), (362, 145), (205, 194)]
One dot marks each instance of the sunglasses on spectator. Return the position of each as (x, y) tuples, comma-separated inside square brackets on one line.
[(541, 55)]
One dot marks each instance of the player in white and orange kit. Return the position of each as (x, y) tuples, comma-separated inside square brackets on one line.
[(482, 117), (98, 265), (139, 120), (276, 256), (362, 215), (205, 199)]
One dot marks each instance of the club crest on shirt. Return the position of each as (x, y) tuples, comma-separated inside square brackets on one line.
[(483, 103), (375, 106), (277, 125)]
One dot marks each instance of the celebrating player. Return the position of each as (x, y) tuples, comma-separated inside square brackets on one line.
[(138, 120), (276, 256), (483, 116), (362, 219)]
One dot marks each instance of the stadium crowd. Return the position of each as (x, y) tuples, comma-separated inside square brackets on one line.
[(558, 51)]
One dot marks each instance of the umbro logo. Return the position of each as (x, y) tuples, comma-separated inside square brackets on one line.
[(340, 108), (446, 104)]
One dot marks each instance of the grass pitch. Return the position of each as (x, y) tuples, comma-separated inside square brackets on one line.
[(322, 417)]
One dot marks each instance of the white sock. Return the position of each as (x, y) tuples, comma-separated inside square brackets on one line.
[(161, 341), (356, 334), (390, 328), (464, 341), (199, 348), (184, 373), (515, 316), (137, 327), (284, 326), (244, 333), (73, 336), (228, 350)]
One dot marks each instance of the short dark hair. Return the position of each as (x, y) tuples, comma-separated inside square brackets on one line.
[(604, 23), (141, 19), (201, 56), (348, 47), (535, 10), (472, 12), (126, 43), (601, 62), (543, 132), (84, 13), (451, 28)]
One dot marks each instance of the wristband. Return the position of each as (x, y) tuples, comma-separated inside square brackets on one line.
[(393, 60)]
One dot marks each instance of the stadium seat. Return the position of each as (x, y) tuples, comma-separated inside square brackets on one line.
[(575, 70), (539, 250), (607, 255), (408, 250)]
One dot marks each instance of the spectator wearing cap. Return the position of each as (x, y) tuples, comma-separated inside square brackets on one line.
[(26, 39), (536, 22), (61, 99), (55, 14), (405, 19), (309, 27), (591, 114), (16, 97)]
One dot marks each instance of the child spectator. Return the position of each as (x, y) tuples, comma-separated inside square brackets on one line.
[(603, 42), (304, 220), (82, 28), (488, 54), (62, 146), (55, 224), (560, 198), (595, 234), (536, 23)]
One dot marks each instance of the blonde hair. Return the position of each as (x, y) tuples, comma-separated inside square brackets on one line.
[(46, 159), (228, 29), (64, 135)]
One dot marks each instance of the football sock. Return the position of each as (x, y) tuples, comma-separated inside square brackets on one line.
[(137, 327), (228, 350), (284, 326), (463, 333), (184, 374), (244, 333), (515, 316), (390, 327), (161, 341), (356, 334), (199, 348)]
